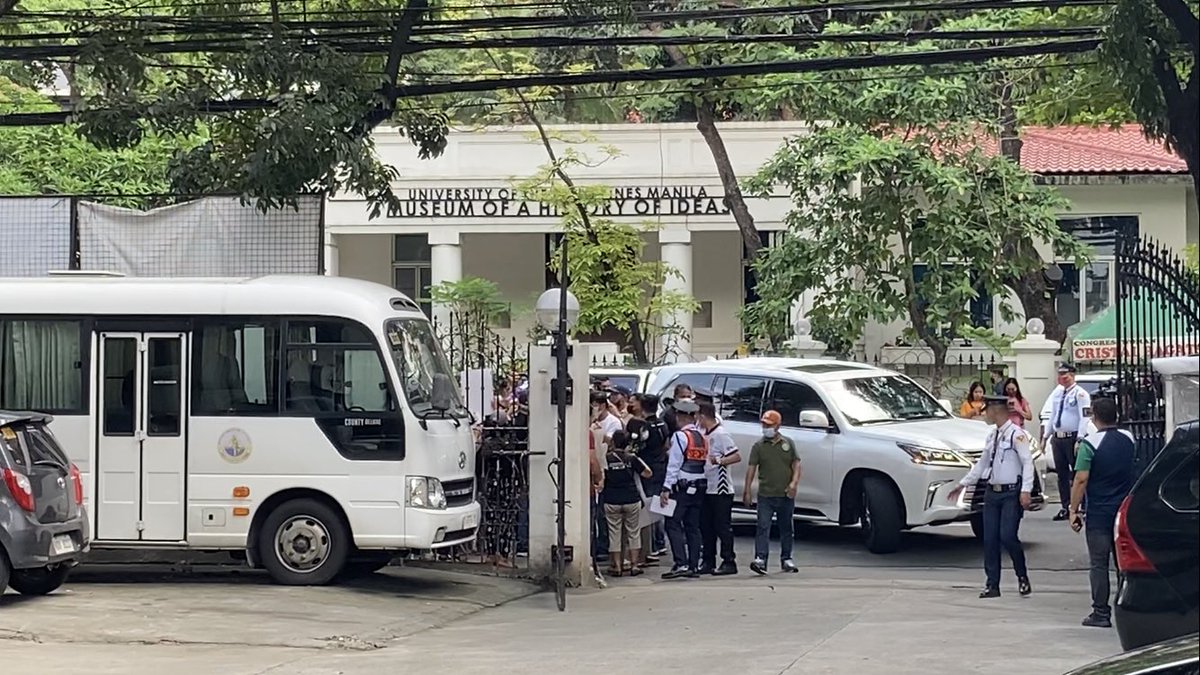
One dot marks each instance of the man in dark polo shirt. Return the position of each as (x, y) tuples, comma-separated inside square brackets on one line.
[(774, 461), (1104, 473)]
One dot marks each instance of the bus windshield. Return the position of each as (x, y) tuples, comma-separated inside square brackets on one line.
[(421, 363)]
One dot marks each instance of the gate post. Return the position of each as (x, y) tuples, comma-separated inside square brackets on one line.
[(1034, 362), (543, 493)]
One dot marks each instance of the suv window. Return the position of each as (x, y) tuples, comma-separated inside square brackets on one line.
[(741, 398), (701, 381), (1181, 490), (790, 398)]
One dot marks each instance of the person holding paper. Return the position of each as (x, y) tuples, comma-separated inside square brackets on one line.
[(686, 485)]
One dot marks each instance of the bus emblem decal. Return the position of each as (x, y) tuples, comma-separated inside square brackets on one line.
[(234, 446), (462, 460)]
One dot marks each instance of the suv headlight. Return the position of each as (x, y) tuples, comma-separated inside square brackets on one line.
[(933, 456), (425, 492)]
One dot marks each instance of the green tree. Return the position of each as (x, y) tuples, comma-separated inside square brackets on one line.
[(889, 225), (615, 285), (1152, 48)]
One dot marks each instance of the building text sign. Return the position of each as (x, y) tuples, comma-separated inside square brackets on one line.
[(629, 202)]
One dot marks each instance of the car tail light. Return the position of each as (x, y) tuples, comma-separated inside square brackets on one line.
[(77, 481), (1130, 557), (21, 489)]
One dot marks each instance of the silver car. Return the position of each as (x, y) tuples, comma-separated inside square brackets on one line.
[(43, 525)]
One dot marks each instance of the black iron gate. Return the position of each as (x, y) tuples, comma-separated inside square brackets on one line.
[(493, 372), (1158, 314)]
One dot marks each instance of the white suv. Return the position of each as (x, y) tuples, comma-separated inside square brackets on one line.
[(876, 448)]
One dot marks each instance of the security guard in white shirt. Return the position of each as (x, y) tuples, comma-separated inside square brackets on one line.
[(1005, 471), (1066, 415)]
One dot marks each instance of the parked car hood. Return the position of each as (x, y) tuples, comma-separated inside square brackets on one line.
[(954, 433)]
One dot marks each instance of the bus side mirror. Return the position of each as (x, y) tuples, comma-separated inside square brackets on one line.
[(441, 397)]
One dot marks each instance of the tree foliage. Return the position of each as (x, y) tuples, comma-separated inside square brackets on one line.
[(1152, 48), (883, 205), (606, 267)]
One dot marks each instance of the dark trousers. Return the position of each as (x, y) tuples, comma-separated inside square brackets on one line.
[(1002, 515), (783, 509), (1064, 466), (683, 529), (716, 524), (1100, 552)]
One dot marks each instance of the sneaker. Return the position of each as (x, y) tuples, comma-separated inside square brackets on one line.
[(1061, 515), (725, 570), (1095, 620), (759, 566), (990, 592), (662, 551), (1023, 587), (693, 574), (789, 566), (676, 573)]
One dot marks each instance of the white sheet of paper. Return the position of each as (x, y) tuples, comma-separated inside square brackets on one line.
[(667, 511)]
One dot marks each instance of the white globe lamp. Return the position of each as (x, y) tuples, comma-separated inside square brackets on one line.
[(1035, 326), (546, 310), (803, 328)]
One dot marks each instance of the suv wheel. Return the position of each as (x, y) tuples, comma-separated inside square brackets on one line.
[(4, 571), (303, 542), (39, 580), (880, 516)]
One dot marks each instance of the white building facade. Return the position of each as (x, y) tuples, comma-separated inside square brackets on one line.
[(461, 217)]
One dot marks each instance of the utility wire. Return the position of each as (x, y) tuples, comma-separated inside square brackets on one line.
[(973, 55)]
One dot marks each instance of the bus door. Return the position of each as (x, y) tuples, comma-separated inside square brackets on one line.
[(141, 459)]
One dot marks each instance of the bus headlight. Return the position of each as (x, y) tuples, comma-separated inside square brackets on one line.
[(425, 492)]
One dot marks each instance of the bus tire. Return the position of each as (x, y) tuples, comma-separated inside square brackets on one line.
[(303, 542)]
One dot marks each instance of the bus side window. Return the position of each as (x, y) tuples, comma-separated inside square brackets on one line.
[(237, 367)]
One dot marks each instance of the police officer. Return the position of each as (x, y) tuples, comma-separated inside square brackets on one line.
[(1006, 466), (1065, 422), (684, 482)]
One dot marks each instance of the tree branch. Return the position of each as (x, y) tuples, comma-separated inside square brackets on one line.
[(401, 44), (1185, 23)]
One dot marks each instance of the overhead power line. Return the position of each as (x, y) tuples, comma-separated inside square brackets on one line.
[(380, 42), (971, 55)]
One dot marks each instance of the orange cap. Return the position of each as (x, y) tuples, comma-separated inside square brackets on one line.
[(772, 418)]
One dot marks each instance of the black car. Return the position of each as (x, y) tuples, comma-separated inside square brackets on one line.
[(1158, 546), (1180, 656)]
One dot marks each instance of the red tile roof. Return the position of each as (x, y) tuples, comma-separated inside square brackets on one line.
[(1095, 150)]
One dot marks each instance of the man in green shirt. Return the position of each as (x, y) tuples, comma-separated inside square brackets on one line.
[(774, 461)]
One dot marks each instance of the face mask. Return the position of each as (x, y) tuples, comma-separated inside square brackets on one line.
[(770, 432)]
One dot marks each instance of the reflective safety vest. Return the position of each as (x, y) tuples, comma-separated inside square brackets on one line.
[(695, 453)]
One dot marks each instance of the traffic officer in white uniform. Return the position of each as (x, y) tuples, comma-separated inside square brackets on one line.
[(1065, 416), (1005, 471)]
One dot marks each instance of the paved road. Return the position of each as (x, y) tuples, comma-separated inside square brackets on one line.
[(847, 611)]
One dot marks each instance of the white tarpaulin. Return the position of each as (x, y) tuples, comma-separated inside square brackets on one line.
[(35, 236), (209, 237)]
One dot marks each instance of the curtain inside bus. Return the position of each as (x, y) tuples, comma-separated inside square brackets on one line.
[(40, 365)]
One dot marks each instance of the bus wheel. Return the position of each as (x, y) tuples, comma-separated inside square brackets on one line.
[(303, 542)]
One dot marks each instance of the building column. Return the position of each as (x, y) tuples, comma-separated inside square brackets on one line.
[(445, 262), (676, 253), (330, 254)]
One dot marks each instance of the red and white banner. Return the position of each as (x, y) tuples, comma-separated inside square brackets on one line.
[(1106, 350)]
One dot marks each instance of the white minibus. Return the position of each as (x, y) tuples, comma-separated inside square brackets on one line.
[(311, 422)]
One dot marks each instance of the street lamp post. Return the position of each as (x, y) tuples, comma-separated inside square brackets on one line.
[(557, 310)]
